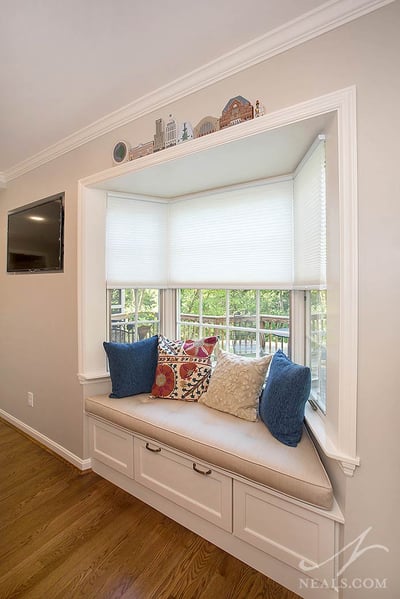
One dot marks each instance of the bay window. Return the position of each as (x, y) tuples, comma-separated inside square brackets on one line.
[(224, 242), (232, 258)]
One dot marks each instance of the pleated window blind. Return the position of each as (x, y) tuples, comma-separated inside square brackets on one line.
[(136, 243), (309, 213), (266, 236), (241, 239)]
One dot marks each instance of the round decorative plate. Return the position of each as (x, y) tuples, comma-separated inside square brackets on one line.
[(120, 152)]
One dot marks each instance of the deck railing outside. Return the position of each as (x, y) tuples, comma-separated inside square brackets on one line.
[(124, 330), (239, 331)]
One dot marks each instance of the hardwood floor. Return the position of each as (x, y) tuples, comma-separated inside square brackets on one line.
[(64, 535)]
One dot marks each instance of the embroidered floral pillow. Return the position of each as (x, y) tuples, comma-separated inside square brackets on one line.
[(184, 368)]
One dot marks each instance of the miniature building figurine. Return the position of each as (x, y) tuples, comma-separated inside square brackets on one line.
[(141, 150), (236, 111), (171, 132), (159, 137), (207, 125), (258, 109), (185, 132)]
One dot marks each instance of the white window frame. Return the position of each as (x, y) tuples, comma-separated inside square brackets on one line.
[(336, 431)]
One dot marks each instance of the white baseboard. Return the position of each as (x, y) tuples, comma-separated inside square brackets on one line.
[(47, 442)]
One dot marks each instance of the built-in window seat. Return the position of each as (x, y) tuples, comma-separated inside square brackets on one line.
[(238, 446), (225, 478)]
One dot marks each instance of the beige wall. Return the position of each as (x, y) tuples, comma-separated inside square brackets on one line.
[(39, 312)]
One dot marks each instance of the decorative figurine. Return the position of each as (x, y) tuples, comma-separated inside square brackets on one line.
[(209, 124), (185, 132), (159, 137), (258, 109), (141, 150), (120, 152), (171, 132), (236, 111)]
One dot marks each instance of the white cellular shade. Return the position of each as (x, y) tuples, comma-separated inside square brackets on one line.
[(309, 211), (136, 243), (240, 238), (270, 235)]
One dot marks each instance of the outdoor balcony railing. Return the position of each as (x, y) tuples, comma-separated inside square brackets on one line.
[(124, 330), (239, 332)]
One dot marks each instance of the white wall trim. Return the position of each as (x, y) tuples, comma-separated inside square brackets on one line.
[(348, 298), (47, 442), (330, 15), (3, 180)]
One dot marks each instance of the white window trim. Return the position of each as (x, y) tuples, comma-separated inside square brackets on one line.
[(337, 442)]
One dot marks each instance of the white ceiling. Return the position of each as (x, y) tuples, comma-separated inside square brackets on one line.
[(66, 64)]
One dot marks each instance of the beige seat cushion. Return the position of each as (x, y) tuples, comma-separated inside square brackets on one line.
[(239, 446)]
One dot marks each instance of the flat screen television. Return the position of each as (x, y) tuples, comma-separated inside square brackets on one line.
[(35, 237)]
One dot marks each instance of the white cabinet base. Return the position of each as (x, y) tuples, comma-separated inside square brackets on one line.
[(271, 532), (111, 446), (193, 485), (287, 531)]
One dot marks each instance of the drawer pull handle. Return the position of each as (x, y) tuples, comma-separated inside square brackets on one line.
[(156, 450), (206, 473)]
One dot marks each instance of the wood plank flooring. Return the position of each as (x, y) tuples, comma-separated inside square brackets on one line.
[(64, 535)]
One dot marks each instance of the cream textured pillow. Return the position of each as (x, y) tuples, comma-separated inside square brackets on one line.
[(235, 384)]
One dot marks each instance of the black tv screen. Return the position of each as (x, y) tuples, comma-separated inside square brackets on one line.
[(35, 241)]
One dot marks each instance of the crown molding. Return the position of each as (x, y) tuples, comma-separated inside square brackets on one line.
[(330, 15), (3, 181)]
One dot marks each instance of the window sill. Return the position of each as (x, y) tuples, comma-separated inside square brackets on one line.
[(86, 378), (316, 424)]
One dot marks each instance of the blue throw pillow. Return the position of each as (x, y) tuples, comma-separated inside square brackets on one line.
[(284, 398), (132, 366)]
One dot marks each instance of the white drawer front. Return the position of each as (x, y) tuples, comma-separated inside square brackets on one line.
[(111, 446), (286, 531), (174, 476)]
